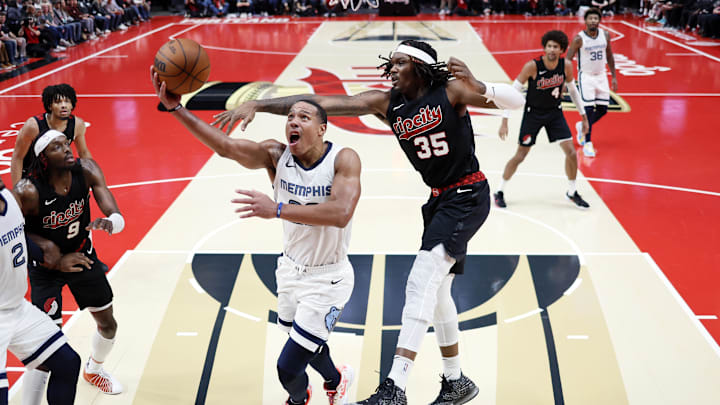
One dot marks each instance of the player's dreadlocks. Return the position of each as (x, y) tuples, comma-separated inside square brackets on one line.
[(38, 168), (435, 74), (57, 92)]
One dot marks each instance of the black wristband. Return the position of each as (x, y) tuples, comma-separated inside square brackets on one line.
[(177, 107)]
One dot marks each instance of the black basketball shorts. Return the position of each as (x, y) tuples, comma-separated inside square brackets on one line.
[(90, 288), (453, 218), (553, 120)]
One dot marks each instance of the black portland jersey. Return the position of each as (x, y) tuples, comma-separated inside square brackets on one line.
[(43, 127), (545, 90), (62, 219), (438, 142)]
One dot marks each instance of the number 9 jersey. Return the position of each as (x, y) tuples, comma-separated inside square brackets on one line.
[(62, 219)]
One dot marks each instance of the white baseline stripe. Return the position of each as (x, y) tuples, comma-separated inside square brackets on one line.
[(573, 287), (578, 337), (172, 36), (682, 54), (619, 34), (196, 286), (219, 48), (104, 51), (112, 56), (525, 315), (242, 314), (378, 252), (519, 51), (707, 55), (712, 317), (15, 369), (685, 307)]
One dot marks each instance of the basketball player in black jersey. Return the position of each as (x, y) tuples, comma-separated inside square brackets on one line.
[(428, 114), (56, 194), (546, 77), (59, 101)]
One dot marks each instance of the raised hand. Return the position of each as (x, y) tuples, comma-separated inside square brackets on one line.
[(245, 112), (169, 100), (256, 204)]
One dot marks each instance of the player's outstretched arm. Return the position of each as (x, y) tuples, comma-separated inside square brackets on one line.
[(337, 211), (470, 91), (252, 155), (113, 222), (24, 139), (369, 102)]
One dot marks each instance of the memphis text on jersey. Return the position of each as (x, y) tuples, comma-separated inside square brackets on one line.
[(12, 234), (549, 82), (58, 219), (426, 119), (305, 191)]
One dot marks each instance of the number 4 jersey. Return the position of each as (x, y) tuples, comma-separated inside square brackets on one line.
[(438, 142), (545, 90), (63, 218)]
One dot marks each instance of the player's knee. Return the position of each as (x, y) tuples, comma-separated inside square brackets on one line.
[(293, 360), (107, 326), (64, 361)]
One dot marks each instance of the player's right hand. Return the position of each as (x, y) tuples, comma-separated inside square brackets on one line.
[(74, 262), (503, 131), (245, 112)]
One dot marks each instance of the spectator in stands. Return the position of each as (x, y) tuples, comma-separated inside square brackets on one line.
[(112, 7), (606, 6), (709, 23), (143, 8), (83, 16), (8, 36), (40, 40), (104, 20), (218, 8), (195, 8), (5, 58), (66, 20), (46, 21)]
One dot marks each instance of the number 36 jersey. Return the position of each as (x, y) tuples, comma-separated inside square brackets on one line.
[(545, 90), (592, 56), (62, 219)]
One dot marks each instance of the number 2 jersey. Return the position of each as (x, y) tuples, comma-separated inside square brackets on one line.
[(310, 245), (62, 219), (545, 90), (13, 253), (438, 142)]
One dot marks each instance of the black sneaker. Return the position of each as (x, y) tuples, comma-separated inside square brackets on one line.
[(456, 392), (577, 200), (500, 199), (386, 394)]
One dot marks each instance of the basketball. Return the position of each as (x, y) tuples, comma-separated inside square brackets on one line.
[(183, 64)]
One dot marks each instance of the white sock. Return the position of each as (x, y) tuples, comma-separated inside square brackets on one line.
[(571, 187), (502, 185), (451, 367), (34, 386), (400, 371), (100, 349)]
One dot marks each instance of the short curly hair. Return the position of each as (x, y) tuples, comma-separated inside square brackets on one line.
[(593, 10), (58, 92), (556, 36)]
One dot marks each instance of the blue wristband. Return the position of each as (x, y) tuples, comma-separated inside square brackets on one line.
[(279, 209)]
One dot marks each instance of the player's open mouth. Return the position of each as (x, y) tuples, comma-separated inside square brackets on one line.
[(294, 138)]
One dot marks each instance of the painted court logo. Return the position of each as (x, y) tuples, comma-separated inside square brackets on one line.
[(426, 119)]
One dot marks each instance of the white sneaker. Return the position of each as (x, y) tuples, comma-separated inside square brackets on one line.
[(104, 381), (59, 48), (340, 394), (588, 150), (579, 134), (123, 27)]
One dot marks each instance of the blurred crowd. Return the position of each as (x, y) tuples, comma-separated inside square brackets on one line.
[(699, 16)]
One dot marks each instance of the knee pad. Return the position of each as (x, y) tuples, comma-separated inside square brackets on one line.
[(445, 320), (426, 275), (64, 361)]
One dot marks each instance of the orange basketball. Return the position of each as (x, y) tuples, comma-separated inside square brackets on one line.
[(183, 64)]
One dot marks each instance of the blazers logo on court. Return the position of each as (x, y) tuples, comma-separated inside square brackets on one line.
[(426, 119), (62, 218)]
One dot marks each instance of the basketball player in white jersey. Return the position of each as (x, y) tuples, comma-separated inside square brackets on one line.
[(26, 331), (593, 51), (317, 187)]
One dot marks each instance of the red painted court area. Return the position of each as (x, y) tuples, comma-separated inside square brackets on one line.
[(668, 138)]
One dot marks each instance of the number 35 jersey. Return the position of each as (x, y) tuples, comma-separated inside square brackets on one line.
[(545, 90), (62, 219), (310, 245), (438, 142)]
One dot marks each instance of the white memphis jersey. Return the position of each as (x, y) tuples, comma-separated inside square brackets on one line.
[(592, 55), (13, 253), (310, 245)]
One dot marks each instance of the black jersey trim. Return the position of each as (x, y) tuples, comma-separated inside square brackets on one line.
[(330, 144), (2, 197)]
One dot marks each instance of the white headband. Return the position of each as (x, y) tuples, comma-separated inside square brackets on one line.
[(45, 140), (416, 53)]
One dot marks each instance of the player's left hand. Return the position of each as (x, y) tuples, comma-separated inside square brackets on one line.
[(585, 125), (169, 100), (256, 204), (614, 84), (102, 224)]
